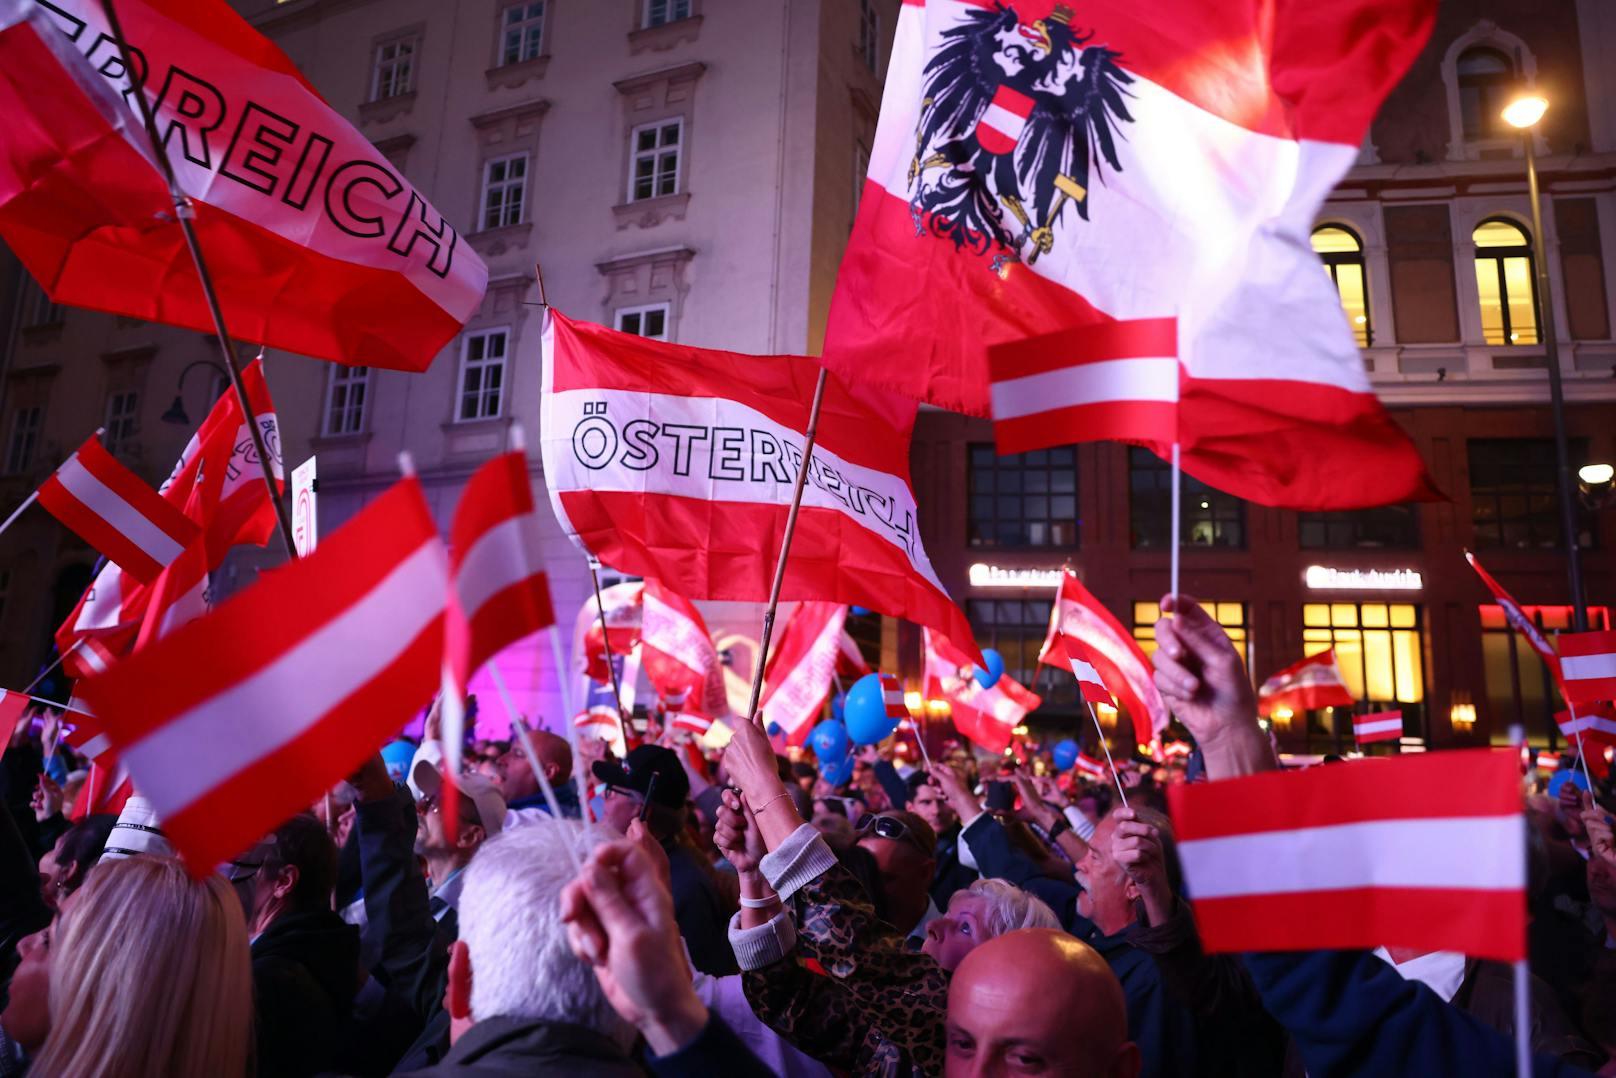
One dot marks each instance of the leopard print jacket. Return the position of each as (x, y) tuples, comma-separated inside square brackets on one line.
[(876, 1009)]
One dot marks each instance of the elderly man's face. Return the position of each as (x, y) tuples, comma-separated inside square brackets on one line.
[(1106, 899)]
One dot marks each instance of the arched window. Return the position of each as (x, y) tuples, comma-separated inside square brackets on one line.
[(1342, 253), (1486, 80), (1505, 283)]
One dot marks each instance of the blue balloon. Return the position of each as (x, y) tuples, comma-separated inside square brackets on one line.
[(774, 729), (988, 674), (829, 741), (865, 712), (838, 772), (1560, 778), (838, 707), (397, 756), (858, 611), (1065, 754)]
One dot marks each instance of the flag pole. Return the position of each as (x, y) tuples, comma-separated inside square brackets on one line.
[(785, 546), (1582, 753), (17, 512), (1177, 495), (567, 725), (606, 643), (184, 213), (60, 659), (1523, 1020), (1106, 748), (520, 728)]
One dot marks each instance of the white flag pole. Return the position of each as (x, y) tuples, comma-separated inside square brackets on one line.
[(60, 659), (533, 761), (1523, 1021), (1105, 748), (1582, 753), (579, 779), (1177, 495), (17, 512)]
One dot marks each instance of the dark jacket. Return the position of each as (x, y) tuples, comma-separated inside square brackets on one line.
[(951, 875), (697, 908), (566, 799), (531, 1048), (305, 971), (1352, 1016)]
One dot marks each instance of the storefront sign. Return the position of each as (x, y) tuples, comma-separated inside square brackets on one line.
[(998, 576), (1327, 578)]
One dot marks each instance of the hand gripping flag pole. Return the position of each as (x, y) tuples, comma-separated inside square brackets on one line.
[(785, 547), (184, 213)]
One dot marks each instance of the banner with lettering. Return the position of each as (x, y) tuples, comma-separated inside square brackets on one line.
[(678, 463), (314, 241)]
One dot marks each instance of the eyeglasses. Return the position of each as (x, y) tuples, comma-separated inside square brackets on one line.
[(890, 827)]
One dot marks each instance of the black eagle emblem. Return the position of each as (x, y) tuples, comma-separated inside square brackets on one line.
[(1014, 116)]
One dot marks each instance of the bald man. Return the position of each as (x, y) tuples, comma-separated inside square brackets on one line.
[(521, 787), (1036, 1001)]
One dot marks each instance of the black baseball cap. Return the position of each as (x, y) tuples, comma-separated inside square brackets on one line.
[(636, 769)]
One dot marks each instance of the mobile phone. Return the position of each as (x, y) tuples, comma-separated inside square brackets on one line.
[(1001, 797)]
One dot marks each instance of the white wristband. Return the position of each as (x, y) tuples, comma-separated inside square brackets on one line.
[(760, 903)]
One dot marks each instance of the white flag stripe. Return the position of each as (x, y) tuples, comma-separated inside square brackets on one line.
[(225, 734), (1467, 853), (1002, 119), (1085, 671), (1585, 723), (105, 503), (498, 559), (675, 635), (1106, 381), (95, 746), (1588, 667), (1380, 726)]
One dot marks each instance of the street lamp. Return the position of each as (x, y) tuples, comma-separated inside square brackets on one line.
[(1596, 483), (1524, 113), (176, 413)]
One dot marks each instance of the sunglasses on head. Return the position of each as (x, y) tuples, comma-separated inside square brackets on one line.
[(889, 827)]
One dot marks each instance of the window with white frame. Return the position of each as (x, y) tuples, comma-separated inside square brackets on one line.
[(661, 12), (25, 424), (869, 35), (650, 320), (121, 421), (654, 171), (504, 189), (521, 32), (482, 374), (345, 399), (41, 311), (393, 73)]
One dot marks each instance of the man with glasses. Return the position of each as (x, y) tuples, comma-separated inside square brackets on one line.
[(905, 851)]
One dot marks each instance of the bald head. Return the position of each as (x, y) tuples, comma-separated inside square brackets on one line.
[(517, 778), (1037, 1001)]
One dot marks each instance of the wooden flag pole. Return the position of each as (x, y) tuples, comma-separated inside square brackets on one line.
[(184, 213), (785, 547)]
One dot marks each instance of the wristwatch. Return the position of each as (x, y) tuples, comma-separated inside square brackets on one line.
[(1060, 826)]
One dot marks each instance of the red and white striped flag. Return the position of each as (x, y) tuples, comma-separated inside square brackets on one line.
[(234, 722), (678, 464), (1588, 667), (1423, 851), (12, 707), (1113, 651), (1377, 726), (808, 654), (112, 509), (1090, 767), (677, 652), (1177, 750), (1088, 678), (1519, 619), (1314, 682), (1548, 761), (892, 696), (690, 722), (316, 243), (1028, 186), (1596, 722), (108, 785), (986, 716)]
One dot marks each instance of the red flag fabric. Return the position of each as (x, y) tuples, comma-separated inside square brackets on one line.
[(12, 707), (315, 243), (1314, 682), (1588, 667), (1089, 767), (1088, 678), (232, 723), (1595, 724), (1053, 232), (218, 484), (108, 785), (1423, 851), (1116, 655), (624, 609), (677, 652), (1519, 620), (802, 667), (109, 507), (1377, 726), (985, 716), (678, 464)]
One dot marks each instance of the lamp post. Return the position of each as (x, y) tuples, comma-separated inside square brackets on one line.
[(1524, 113), (176, 413)]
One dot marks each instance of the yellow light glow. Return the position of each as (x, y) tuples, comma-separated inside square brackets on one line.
[(1525, 111), (1596, 474), (913, 701), (1019, 731), (938, 707)]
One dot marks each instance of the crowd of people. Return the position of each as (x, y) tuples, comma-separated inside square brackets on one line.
[(734, 913)]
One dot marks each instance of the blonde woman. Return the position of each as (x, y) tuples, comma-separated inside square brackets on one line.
[(149, 977)]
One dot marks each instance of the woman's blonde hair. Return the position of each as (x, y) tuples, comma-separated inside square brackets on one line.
[(151, 977)]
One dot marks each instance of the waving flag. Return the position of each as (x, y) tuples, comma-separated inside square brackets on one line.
[(1423, 851), (678, 464), (108, 785), (985, 716), (1114, 653), (1588, 667), (1597, 724), (677, 652), (807, 655), (1520, 620), (217, 483), (1088, 678), (1377, 726), (110, 508), (1090, 768), (1120, 195), (236, 721), (316, 244), (1314, 682)]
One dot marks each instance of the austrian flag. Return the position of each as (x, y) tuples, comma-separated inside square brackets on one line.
[(1088, 678), (1377, 726), (109, 507), (1588, 667)]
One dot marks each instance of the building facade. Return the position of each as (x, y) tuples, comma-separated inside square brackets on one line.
[(1428, 239), (682, 169)]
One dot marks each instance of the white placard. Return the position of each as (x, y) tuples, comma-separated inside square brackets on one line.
[(305, 517)]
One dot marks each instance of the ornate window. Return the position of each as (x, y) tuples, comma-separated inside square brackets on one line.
[(650, 320), (1343, 257), (1486, 80), (655, 169), (482, 374), (1505, 283), (393, 71), (521, 33), (504, 191)]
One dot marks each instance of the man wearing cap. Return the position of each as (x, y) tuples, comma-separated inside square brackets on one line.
[(482, 816), (650, 784)]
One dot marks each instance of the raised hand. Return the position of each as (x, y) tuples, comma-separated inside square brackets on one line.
[(737, 836), (749, 759), (1033, 806), (959, 795), (1202, 679), (1137, 847)]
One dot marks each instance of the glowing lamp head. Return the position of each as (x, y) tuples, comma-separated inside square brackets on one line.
[(1596, 475), (1525, 111)]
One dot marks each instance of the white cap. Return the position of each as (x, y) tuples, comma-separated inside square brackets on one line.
[(489, 801), (136, 832)]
